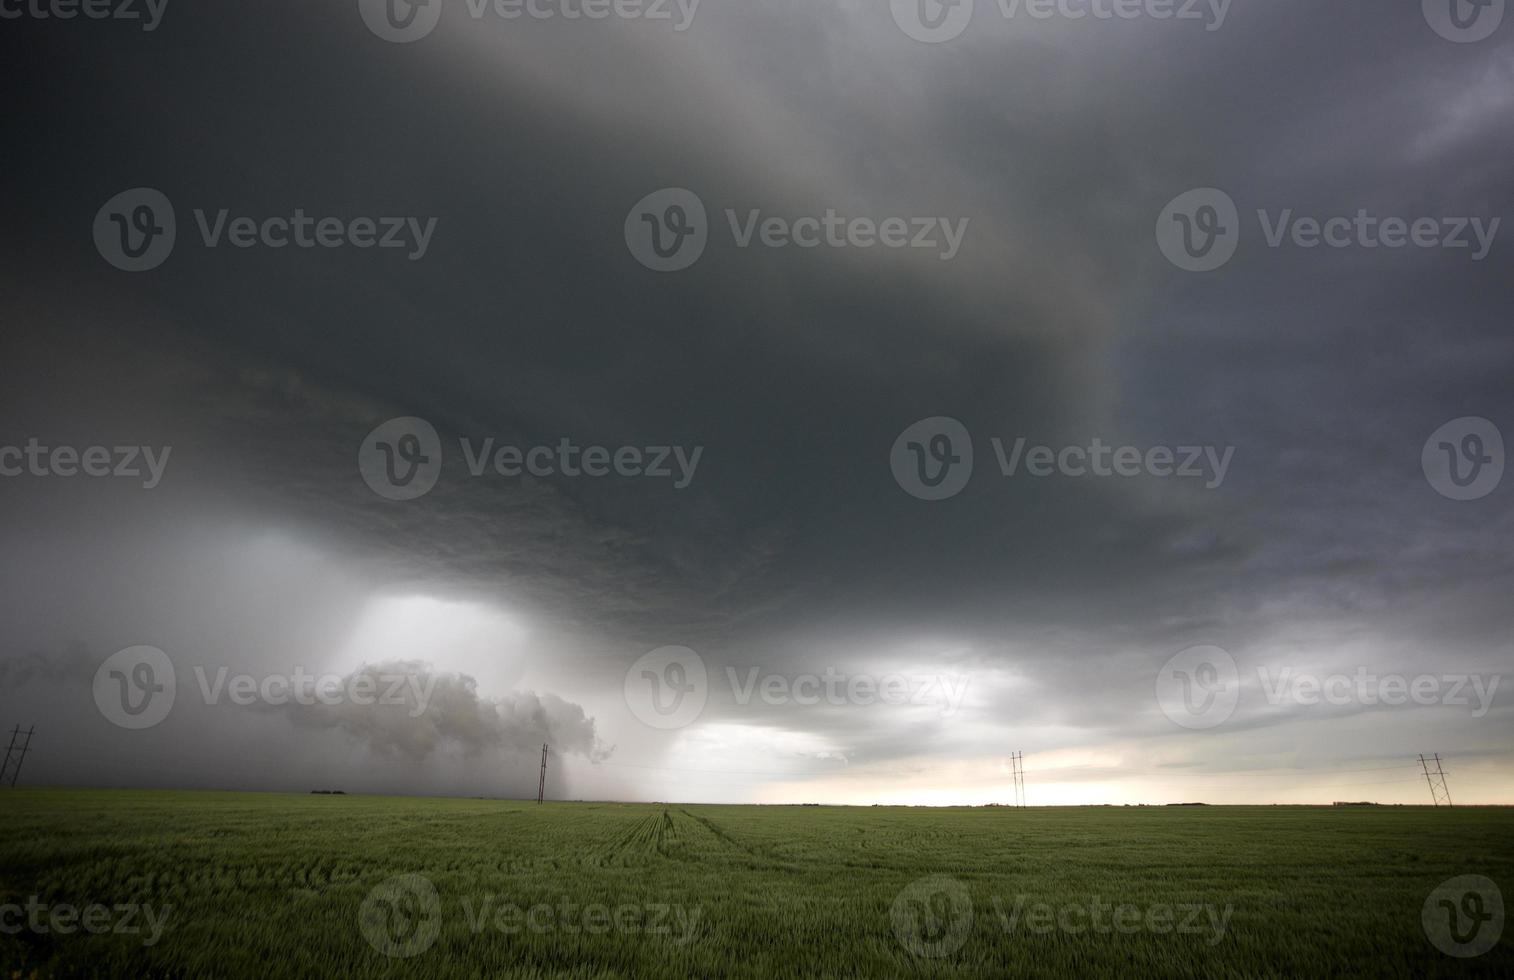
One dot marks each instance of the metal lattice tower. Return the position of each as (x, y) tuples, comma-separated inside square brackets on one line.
[(14, 758), (1440, 793)]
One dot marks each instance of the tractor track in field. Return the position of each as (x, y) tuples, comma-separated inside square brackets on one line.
[(724, 837), (730, 842), (655, 835), (678, 835)]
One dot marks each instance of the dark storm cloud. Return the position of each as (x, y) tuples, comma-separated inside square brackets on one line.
[(1059, 321), (409, 709)]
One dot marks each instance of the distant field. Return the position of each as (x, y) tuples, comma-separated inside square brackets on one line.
[(258, 885)]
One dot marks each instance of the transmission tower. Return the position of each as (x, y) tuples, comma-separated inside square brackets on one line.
[(1017, 764), (1439, 791), (13, 757), (541, 783)]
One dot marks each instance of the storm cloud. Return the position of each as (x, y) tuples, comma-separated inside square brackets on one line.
[(794, 549), (409, 709)]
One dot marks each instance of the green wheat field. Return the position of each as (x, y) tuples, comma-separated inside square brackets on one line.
[(275, 885)]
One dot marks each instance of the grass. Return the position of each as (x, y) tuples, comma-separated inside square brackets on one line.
[(273, 885)]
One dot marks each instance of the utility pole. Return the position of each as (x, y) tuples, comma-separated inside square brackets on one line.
[(20, 757), (1437, 779), (541, 783)]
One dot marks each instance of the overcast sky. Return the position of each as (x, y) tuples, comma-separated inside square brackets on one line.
[(1021, 613)]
